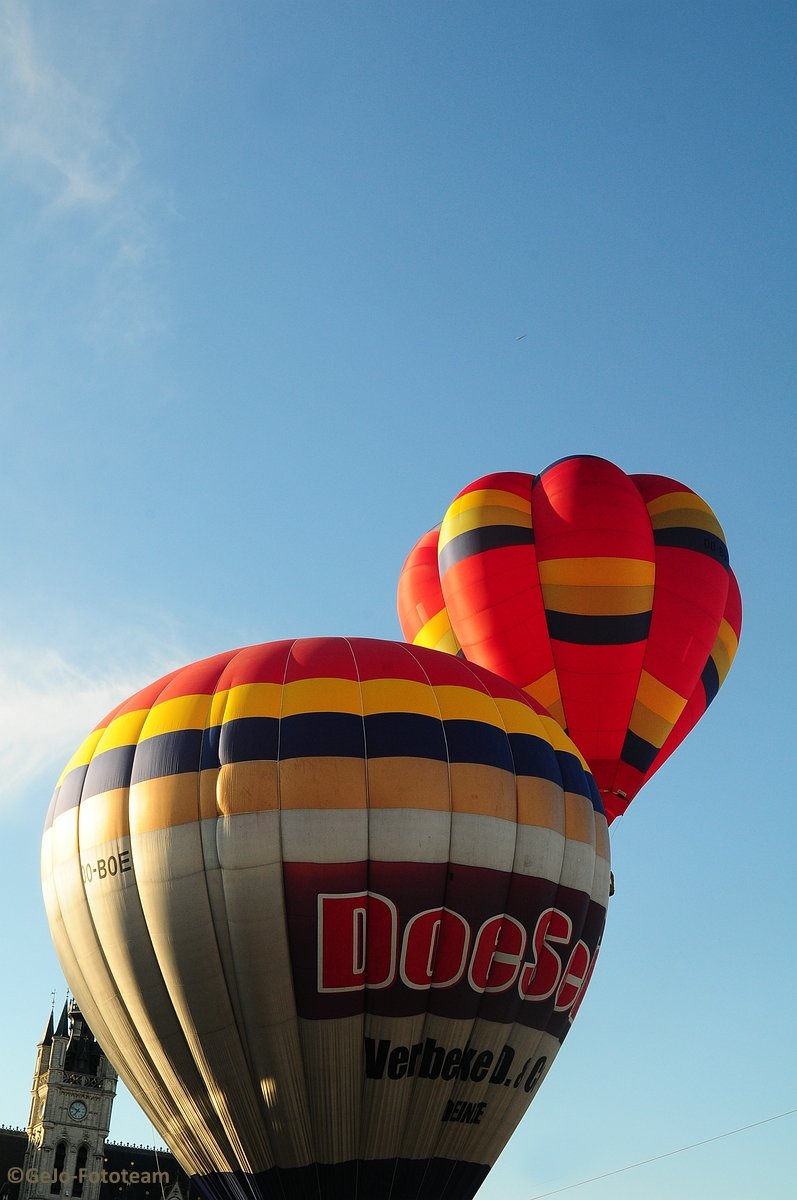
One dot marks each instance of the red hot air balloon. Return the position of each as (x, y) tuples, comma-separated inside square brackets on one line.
[(330, 907), (607, 597)]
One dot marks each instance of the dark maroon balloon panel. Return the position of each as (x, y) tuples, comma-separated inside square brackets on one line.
[(398, 939)]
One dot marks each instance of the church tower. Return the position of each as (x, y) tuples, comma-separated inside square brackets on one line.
[(70, 1113)]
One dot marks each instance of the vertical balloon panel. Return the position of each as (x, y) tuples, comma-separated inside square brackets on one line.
[(330, 907), (692, 580), (595, 556), (422, 610), (715, 670), (487, 562)]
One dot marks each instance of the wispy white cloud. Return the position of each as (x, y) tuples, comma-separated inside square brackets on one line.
[(48, 705), (57, 138)]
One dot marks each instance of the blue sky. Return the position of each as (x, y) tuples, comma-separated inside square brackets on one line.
[(264, 271)]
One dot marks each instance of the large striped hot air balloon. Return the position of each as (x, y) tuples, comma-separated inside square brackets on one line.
[(330, 907), (607, 597)]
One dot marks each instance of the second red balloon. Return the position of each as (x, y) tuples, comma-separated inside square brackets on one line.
[(608, 597)]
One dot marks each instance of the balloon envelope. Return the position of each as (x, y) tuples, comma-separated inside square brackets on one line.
[(422, 610), (607, 597), (330, 907)]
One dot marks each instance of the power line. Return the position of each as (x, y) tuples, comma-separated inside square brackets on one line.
[(668, 1154)]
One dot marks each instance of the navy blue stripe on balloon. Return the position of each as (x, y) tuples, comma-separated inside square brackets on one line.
[(710, 679), (339, 735), (380, 735), (686, 537), (246, 739), (576, 780), (637, 752), (594, 795), (71, 789), (582, 630), (108, 770), (68, 795), (400, 735), (476, 541), (174, 753), (167, 754), (209, 754), (474, 742), (534, 757), (322, 735)]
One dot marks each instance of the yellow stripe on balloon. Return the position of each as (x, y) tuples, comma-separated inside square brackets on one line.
[(176, 714), (724, 650), (398, 695), (518, 717), (590, 601), (480, 518), (683, 509), (83, 755), (124, 730), (321, 695), (688, 518), (466, 704), (649, 726), (677, 500), (490, 498), (560, 741), (545, 691), (437, 634), (597, 572), (476, 510), (246, 700), (659, 698)]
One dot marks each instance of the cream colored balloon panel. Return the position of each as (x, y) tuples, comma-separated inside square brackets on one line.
[(89, 907), (174, 896), (249, 851)]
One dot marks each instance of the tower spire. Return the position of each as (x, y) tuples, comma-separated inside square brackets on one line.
[(48, 1033), (62, 1028)]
